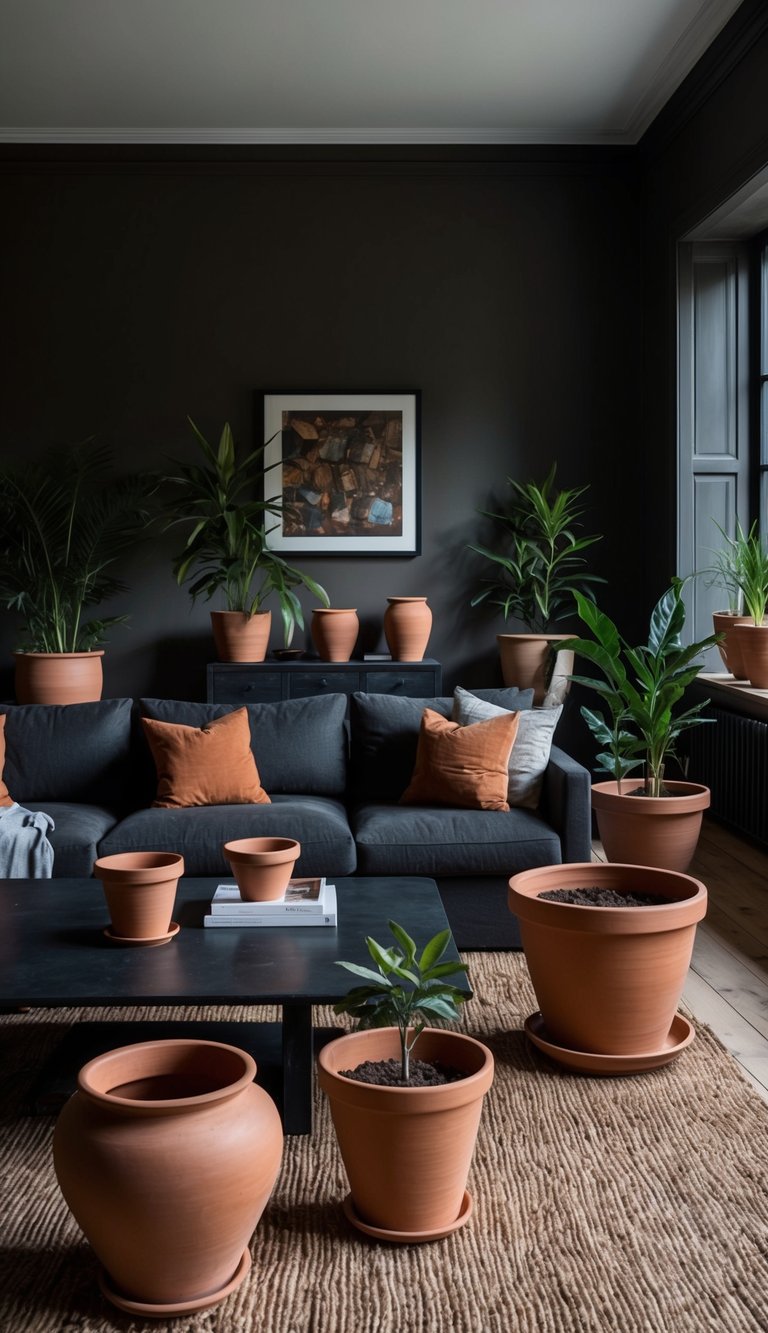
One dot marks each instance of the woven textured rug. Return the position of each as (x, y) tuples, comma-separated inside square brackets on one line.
[(635, 1204)]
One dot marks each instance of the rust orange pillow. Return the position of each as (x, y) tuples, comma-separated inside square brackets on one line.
[(209, 765), (5, 797), (462, 766)]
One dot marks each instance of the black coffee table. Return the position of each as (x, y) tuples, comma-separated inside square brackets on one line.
[(53, 953)]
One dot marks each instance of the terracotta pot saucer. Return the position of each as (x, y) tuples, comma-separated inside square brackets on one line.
[(142, 940), (183, 1307), (408, 1237), (681, 1034)]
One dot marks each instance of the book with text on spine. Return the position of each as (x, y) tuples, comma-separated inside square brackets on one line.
[(246, 916), (301, 895)]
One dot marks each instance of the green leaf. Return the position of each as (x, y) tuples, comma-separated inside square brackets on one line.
[(434, 950)]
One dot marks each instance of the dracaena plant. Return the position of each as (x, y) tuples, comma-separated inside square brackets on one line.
[(640, 688), (405, 991), (747, 556)]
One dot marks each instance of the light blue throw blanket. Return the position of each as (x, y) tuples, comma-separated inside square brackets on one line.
[(25, 852)]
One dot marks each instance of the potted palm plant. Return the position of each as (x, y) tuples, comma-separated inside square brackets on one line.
[(65, 519), (725, 573), (655, 822), (537, 571), (227, 548), (406, 1128), (749, 556)]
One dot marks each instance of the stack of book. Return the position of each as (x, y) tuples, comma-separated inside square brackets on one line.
[(306, 902)]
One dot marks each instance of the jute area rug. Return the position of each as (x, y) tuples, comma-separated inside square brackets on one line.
[(600, 1204)]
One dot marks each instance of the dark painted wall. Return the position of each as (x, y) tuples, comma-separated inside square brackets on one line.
[(506, 286)]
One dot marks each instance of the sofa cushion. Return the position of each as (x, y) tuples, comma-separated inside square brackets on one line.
[(423, 840), (319, 823), (385, 735), (69, 752), (5, 797), (208, 765), (467, 766), (78, 830), (300, 745), (530, 753)]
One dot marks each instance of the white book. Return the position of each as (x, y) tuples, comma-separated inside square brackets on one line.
[(301, 896), (291, 918)]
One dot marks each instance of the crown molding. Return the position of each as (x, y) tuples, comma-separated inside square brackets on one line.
[(86, 135)]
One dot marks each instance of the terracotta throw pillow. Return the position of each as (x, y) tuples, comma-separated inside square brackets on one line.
[(530, 753), (209, 765), (5, 798), (462, 766)]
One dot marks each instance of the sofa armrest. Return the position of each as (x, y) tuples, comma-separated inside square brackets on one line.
[(566, 803)]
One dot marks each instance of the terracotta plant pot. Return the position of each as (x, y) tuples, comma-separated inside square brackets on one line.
[(166, 1155), (752, 642), (406, 1151), (140, 889), (59, 678), (608, 980), (239, 637), (725, 622), (262, 867), (650, 830), (407, 627), (529, 662), (334, 633)]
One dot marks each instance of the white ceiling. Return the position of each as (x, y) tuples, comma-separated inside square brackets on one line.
[(345, 71)]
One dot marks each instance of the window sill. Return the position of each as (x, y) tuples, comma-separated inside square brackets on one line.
[(737, 695)]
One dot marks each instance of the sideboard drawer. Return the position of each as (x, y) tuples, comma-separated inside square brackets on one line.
[(412, 684), (302, 684), (238, 685)]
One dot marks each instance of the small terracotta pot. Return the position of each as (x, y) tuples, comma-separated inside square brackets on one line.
[(608, 980), (752, 642), (407, 627), (725, 622), (334, 633), (406, 1151), (140, 889), (262, 867), (166, 1155), (59, 678), (239, 637), (650, 830), (529, 662)]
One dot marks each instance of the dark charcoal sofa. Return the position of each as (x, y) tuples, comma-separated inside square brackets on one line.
[(334, 784)]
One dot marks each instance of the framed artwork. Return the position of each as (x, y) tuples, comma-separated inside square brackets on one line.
[(345, 468)]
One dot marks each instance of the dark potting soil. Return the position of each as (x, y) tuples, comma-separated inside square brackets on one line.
[(595, 897), (387, 1073)]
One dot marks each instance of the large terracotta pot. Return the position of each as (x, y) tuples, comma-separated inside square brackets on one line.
[(239, 637), (530, 662), (407, 627), (262, 867), (140, 889), (166, 1155), (725, 622), (650, 830), (59, 678), (334, 633), (608, 980), (406, 1151), (752, 642)]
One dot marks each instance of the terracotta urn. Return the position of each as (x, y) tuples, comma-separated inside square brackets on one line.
[(262, 867), (407, 627), (140, 889), (725, 622), (334, 633), (166, 1156), (752, 643), (59, 678), (650, 830), (406, 1150), (532, 661), (608, 980), (239, 637)]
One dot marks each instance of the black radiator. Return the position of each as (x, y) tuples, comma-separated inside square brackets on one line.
[(730, 756)]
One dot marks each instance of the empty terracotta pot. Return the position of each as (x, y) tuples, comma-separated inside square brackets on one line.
[(407, 627), (239, 637), (140, 889), (334, 633), (59, 678), (262, 867), (166, 1155)]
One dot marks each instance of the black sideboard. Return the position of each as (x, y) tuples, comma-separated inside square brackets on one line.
[(267, 682)]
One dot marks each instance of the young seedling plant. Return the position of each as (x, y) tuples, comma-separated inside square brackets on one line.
[(405, 992)]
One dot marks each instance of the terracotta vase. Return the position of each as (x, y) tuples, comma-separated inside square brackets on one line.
[(529, 662), (650, 830), (725, 622), (167, 1155), (239, 637), (262, 867), (59, 678), (406, 1151), (608, 980), (407, 627), (334, 633), (140, 889), (752, 642)]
